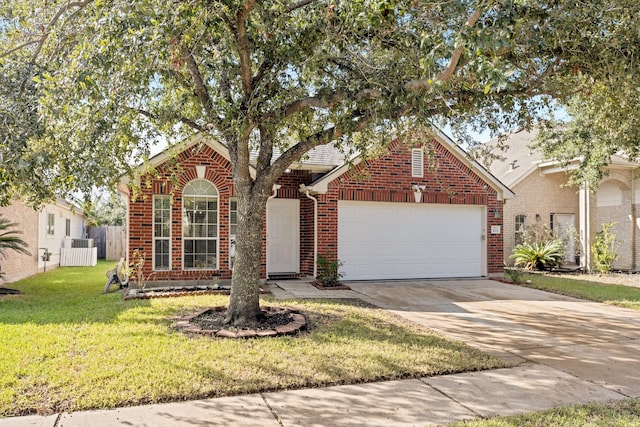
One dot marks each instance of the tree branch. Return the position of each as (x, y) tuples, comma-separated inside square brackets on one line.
[(314, 102), (299, 5), (19, 47), (54, 21), (262, 71), (266, 151), (423, 84), (183, 119), (200, 87), (242, 40)]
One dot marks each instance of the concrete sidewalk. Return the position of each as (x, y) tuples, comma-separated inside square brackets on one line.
[(419, 402), (565, 351)]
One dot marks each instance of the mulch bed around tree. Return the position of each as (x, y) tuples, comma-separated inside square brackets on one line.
[(340, 287), (277, 321)]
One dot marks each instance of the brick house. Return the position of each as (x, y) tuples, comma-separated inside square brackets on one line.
[(404, 214), (44, 230), (543, 197)]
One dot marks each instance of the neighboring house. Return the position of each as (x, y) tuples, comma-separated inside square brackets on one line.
[(45, 230), (402, 215), (543, 197)]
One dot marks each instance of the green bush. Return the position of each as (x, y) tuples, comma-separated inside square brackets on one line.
[(604, 248), (538, 256), (515, 274), (329, 272)]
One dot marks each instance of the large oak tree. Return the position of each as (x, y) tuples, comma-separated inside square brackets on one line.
[(93, 83)]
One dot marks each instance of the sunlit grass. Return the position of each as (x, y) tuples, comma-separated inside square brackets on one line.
[(619, 295), (67, 346), (622, 413)]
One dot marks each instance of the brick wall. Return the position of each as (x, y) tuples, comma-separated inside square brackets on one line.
[(388, 179), (540, 195), (218, 172), (182, 170), (16, 265), (547, 194), (621, 213)]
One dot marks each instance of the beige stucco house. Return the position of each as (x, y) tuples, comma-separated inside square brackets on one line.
[(49, 230), (543, 197)]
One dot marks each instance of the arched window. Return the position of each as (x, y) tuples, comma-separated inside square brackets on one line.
[(609, 194), (200, 226), (521, 226)]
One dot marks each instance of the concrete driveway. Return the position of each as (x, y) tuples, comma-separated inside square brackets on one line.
[(597, 343)]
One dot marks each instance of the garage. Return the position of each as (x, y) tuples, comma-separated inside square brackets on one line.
[(378, 240)]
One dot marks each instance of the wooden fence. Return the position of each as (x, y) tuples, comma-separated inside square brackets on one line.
[(110, 241)]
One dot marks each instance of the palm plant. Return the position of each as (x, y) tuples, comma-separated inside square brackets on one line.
[(9, 239), (539, 255)]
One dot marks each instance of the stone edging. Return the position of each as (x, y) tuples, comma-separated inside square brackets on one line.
[(298, 323), (148, 294)]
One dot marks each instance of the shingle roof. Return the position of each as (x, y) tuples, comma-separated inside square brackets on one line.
[(519, 159)]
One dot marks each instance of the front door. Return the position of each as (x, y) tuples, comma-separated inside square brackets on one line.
[(283, 236), (565, 226)]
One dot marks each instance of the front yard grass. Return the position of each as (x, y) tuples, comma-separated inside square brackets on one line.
[(619, 295), (620, 413), (65, 346)]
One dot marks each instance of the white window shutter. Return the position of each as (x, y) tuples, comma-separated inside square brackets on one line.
[(417, 163)]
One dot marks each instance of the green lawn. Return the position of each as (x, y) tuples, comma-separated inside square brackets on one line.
[(623, 413), (66, 346), (619, 295)]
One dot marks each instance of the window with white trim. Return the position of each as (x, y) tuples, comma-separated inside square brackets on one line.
[(233, 227), (200, 226), (161, 232), (67, 227), (521, 226), (51, 224), (417, 163)]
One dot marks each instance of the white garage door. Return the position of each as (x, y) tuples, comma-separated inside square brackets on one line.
[(408, 241)]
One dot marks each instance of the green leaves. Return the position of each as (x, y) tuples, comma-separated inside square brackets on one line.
[(113, 76), (538, 255)]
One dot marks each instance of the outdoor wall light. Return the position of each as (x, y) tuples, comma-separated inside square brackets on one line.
[(538, 217), (417, 192), (496, 213)]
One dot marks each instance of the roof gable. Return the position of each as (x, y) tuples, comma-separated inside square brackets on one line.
[(520, 159), (321, 185)]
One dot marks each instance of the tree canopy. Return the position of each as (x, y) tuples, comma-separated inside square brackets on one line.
[(90, 85)]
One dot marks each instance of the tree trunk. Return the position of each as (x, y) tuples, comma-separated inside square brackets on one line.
[(244, 304)]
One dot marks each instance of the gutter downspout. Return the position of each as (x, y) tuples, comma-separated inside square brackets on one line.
[(585, 225), (634, 222), (307, 192)]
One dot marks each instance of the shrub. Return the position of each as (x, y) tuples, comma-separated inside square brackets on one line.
[(515, 274), (329, 272), (604, 249), (538, 256)]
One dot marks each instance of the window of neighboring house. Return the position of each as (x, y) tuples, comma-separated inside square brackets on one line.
[(161, 232), (521, 225), (200, 225), (233, 227), (417, 163), (51, 224), (67, 227)]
